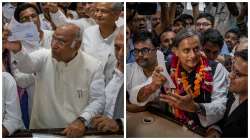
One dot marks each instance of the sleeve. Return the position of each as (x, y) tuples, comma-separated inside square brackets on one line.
[(60, 19), (12, 114), (96, 100), (216, 109), (23, 80), (30, 63), (134, 91)]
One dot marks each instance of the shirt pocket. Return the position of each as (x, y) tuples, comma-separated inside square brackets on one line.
[(81, 97)]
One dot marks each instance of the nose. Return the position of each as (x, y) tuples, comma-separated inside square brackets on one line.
[(192, 54), (98, 13)]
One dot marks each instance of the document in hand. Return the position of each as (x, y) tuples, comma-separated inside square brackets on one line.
[(23, 31), (169, 82)]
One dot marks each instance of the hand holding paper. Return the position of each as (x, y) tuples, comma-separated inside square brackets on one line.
[(22, 31)]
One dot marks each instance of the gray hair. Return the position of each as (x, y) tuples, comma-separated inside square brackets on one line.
[(117, 6), (183, 34), (78, 35)]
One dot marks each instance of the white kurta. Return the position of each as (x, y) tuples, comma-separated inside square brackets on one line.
[(11, 112), (63, 92), (60, 19), (44, 23), (25, 80), (111, 93), (136, 79), (101, 48)]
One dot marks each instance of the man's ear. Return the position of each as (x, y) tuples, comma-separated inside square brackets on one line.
[(117, 15), (78, 44)]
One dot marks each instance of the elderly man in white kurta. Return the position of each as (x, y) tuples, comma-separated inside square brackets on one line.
[(98, 40), (69, 83)]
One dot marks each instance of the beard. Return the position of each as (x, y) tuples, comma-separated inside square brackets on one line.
[(144, 63)]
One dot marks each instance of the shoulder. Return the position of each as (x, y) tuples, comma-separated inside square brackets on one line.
[(91, 29), (90, 61), (8, 81), (7, 77)]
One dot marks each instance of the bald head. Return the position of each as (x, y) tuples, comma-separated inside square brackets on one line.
[(66, 42), (69, 30)]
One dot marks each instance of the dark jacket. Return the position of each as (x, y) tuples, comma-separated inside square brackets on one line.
[(235, 125)]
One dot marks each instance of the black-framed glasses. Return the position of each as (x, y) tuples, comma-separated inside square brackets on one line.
[(204, 24), (28, 18), (236, 74), (143, 51), (207, 51)]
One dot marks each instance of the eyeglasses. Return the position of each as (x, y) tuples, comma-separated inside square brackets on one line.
[(143, 51), (103, 11), (28, 18), (236, 74), (59, 41), (207, 51), (204, 24)]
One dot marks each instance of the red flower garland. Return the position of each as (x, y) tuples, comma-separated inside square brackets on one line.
[(203, 81)]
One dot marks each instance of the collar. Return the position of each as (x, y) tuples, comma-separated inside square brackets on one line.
[(68, 65)]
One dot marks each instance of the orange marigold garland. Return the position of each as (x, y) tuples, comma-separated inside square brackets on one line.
[(203, 81)]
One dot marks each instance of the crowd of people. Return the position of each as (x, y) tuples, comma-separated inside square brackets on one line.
[(71, 78), (194, 58)]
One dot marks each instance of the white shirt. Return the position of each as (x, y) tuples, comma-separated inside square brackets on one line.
[(11, 112), (63, 92), (235, 104), (120, 22), (60, 19), (44, 23), (101, 48), (136, 79), (111, 92)]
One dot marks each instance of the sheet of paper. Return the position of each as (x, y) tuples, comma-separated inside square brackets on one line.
[(23, 31)]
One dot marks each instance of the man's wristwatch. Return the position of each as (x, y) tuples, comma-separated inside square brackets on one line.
[(201, 109), (119, 122), (83, 120)]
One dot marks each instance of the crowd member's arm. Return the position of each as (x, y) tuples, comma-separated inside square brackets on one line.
[(195, 7), (60, 19), (27, 63), (142, 94)]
